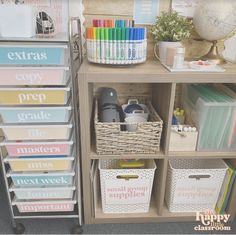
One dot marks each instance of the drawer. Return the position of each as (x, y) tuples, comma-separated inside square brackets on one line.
[(37, 132), (43, 193), (18, 149), (35, 114), (34, 96), (44, 206), (43, 76), (40, 164), (30, 54), (40, 179)]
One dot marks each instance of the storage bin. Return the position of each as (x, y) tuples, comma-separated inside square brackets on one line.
[(30, 54), (43, 193), (34, 76), (37, 132), (212, 111), (110, 139), (44, 206), (18, 149), (126, 190), (183, 141), (194, 184), (40, 164), (39, 179), (34, 96), (35, 114)]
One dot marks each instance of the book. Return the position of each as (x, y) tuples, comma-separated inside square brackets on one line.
[(226, 189)]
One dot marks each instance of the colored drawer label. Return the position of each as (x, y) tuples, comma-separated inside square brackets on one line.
[(31, 55), (40, 133), (39, 181), (34, 115), (36, 150), (32, 97), (32, 77), (46, 207), (40, 165), (44, 194)]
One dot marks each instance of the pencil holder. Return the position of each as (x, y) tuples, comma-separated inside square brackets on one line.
[(116, 45)]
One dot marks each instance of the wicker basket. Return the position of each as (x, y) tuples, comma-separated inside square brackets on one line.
[(110, 139), (194, 184)]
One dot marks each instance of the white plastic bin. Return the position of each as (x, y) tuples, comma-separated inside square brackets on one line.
[(194, 184), (126, 190)]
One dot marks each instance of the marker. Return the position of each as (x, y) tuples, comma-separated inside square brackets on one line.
[(122, 46), (94, 45), (127, 45), (88, 42), (98, 46), (110, 34), (118, 44), (106, 37), (102, 44), (114, 42)]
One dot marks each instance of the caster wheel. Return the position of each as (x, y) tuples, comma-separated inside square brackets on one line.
[(77, 230), (19, 229)]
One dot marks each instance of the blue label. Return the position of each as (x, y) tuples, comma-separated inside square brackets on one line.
[(31, 55)]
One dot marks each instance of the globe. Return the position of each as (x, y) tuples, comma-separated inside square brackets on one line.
[(215, 20)]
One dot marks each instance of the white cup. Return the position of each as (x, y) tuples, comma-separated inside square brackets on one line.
[(133, 120)]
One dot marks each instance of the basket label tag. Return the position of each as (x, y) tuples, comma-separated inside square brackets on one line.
[(131, 191), (192, 191)]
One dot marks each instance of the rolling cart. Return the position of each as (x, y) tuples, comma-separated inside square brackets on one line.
[(40, 153)]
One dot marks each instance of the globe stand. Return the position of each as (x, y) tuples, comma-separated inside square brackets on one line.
[(213, 55)]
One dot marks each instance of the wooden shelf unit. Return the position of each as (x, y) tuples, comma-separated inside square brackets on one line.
[(153, 80)]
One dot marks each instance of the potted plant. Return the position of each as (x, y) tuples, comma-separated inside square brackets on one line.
[(169, 31)]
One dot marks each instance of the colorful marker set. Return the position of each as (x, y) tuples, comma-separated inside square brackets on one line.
[(113, 23), (116, 45)]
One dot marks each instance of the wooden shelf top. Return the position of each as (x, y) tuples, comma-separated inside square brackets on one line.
[(152, 72)]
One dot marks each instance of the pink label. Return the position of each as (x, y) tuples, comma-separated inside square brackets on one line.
[(36, 150), (31, 77), (45, 207)]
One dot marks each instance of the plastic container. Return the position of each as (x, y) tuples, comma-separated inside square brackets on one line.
[(32, 54), (212, 111), (35, 114), (44, 206), (126, 190), (37, 132), (40, 164), (43, 76), (39, 179), (18, 149), (43, 193), (194, 184), (34, 96)]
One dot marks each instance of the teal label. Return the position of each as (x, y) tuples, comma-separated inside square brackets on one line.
[(31, 55)]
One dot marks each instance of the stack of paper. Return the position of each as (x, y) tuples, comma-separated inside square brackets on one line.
[(214, 116)]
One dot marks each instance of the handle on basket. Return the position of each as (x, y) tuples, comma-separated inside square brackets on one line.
[(199, 176), (132, 101), (127, 177), (138, 111)]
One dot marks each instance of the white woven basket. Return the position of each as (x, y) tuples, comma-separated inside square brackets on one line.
[(194, 184), (120, 195)]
